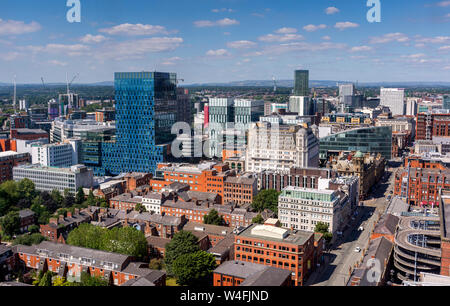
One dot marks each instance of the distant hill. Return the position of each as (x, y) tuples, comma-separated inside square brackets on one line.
[(323, 83)]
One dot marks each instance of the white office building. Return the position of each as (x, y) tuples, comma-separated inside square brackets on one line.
[(302, 208), (411, 106), (48, 178), (152, 202), (394, 98), (300, 105), (55, 154), (280, 147)]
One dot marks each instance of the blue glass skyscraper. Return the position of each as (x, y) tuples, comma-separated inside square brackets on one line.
[(145, 112)]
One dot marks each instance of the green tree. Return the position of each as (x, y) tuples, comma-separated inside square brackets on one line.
[(29, 239), (26, 189), (266, 199), (57, 198), (182, 243), (60, 281), (69, 199), (10, 191), (10, 223), (258, 219), (140, 208), (87, 280), (87, 235), (125, 240), (322, 227), (156, 264), (79, 198), (91, 201), (46, 280), (101, 202), (213, 218), (194, 269)]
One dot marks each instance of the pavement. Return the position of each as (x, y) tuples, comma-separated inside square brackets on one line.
[(342, 256)]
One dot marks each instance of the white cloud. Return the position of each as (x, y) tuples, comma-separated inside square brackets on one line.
[(312, 27), (397, 37), (57, 63), (71, 50), (303, 46), (222, 23), (241, 44), (14, 27), (434, 40), (358, 56), (447, 68), (228, 10), (345, 25), (10, 56), (444, 48), (361, 48), (331, 10), (286, 30), (256, 53), (135, 29), (326, 37), (171, 61), (87, 39), (218, 53), (140, 48), (417, 55), (280, 38), (443, 3)]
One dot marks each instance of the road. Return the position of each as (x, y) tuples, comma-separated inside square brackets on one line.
[(335, 270)]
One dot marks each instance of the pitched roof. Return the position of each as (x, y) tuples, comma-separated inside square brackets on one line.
[(387, 225)]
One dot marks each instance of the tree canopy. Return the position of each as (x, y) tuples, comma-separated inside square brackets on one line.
[(194, 269), (182, 243), (266, 199), (213, 218)]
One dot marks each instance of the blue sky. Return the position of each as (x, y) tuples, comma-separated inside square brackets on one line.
[(225, 40)]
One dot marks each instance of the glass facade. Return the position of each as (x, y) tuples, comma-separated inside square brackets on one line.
[(146, 105), (301, 84), (367, 140), (446, 102)]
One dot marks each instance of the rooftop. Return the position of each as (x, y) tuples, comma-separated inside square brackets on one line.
[(275, 234)]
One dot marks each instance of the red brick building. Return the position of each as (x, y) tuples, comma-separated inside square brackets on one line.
[(240, 189), (70, 261), (28, 134), (137, 179), (277, 247), (58, 229), (422, 186), (10, 159), (432, 124)]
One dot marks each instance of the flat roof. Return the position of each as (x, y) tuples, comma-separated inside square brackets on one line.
[(290, 237)]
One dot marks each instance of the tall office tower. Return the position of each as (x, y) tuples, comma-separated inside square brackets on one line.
[(184, 107), (446, 102), (411, 106), (346, 94), (221, 113), (301, 83), (300, 105), (394, 98), (146, 106)]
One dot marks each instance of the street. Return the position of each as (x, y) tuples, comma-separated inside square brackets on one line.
[(342, 256)]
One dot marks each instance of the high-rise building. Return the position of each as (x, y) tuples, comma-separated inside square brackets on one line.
[(301, 83), (411, 106), (300, 105), (280, 147), (394, 98), (146, 110), (446, 102), (346, 90), (23, 105)]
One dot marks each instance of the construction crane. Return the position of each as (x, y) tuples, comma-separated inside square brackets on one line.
[(69, 84), (43, 83)]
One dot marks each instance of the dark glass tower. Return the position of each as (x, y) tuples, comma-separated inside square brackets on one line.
[(301, 85), (146, 107)]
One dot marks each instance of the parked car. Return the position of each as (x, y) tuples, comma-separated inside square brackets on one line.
[(357, 249), (360, 228)]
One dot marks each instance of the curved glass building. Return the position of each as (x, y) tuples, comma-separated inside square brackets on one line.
[(367, 140)]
